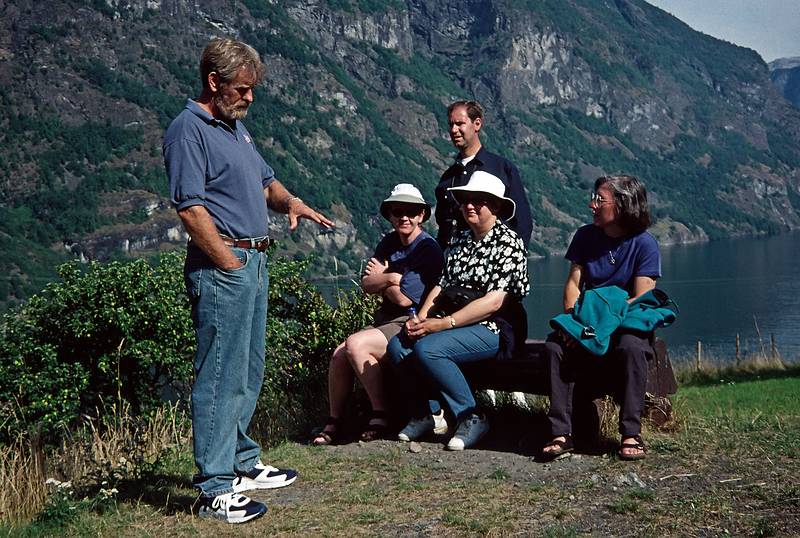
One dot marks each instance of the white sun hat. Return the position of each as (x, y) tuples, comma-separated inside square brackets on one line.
[(405, 193), (487, 183)]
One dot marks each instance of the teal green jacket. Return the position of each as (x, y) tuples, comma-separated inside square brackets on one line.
[(600, 312), (649, 312)]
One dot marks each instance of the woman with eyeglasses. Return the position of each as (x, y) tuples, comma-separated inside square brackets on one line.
[(484, 280), (615, 250), (406, 264)]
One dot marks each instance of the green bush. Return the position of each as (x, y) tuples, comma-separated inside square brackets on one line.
[(302, 332), (122, 331), (118, 330)]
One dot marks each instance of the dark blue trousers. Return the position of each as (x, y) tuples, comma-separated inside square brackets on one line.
[(621, 372)]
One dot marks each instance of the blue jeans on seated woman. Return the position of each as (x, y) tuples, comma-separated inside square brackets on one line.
[(434, 360)]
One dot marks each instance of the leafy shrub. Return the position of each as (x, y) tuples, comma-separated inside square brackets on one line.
[(302, 332), (119, 330), (122, 332)]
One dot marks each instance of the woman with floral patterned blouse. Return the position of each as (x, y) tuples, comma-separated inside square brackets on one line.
[(489, 261)]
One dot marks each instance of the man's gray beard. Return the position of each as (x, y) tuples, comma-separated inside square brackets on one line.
[(228, 113)]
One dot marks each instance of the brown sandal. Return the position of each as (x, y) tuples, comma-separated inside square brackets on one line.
[(638, 445), (377, 428), (330, 437), (561, 447)]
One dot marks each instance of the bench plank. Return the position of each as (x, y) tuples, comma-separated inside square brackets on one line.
[(529, 373)]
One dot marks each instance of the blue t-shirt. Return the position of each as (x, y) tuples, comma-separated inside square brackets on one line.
[(420, 263), (210, 164), (613, 261)]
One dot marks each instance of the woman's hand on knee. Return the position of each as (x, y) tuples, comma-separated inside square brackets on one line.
[(425, 327)]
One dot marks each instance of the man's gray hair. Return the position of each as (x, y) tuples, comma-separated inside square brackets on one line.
[(227, 57)]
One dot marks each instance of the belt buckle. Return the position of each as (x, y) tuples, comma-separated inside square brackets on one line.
[(263, 244)]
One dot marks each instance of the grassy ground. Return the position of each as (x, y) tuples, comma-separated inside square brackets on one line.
[(730, 465)]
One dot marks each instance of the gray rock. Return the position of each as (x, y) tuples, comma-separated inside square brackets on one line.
[(629, 480)]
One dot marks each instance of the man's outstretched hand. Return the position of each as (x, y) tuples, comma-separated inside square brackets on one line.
[(299, 210)]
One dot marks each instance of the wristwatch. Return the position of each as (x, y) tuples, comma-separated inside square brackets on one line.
[(452, 322)]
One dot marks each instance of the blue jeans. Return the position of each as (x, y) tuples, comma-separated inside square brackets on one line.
[(229, 312), (434, 360)]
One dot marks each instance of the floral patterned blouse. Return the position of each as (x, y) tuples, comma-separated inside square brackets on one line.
[(497, 262)]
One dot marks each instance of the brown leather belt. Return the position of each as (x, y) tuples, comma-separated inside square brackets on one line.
[(259, 244)]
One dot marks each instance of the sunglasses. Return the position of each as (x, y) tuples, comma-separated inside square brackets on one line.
[(477, 201), (400, 212)]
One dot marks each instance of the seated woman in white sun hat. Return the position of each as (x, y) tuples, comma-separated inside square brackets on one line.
[(486, 274), (406, 264)]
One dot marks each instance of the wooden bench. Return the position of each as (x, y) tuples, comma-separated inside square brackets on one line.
[(528, 373)]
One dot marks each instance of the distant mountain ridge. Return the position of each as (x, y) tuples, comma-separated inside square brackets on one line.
[(354, 103), (784, 63), (785, 74)]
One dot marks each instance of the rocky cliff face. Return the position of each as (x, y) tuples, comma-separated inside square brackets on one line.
[(785, 75), (354, 103)]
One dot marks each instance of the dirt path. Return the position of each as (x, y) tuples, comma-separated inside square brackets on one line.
[(388, 488)]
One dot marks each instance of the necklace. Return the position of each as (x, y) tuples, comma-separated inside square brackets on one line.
[(612, 254)]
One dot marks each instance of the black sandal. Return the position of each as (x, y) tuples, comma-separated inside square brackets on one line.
[(561, 447), (638, 445), (376, 430), (325, 438)]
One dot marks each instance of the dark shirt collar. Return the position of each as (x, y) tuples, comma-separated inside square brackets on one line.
[(195, 108), (477, 158)]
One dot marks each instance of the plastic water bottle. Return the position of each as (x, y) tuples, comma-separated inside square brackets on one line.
[(412, 314)]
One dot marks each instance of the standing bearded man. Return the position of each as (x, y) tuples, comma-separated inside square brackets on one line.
[(221, 188)]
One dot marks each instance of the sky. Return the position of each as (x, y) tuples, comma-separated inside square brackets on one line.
[(770, 27)]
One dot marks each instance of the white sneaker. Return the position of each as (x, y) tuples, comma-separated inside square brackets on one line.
[(439, 423), (231, 508), (420, 426), (263, 477), (469, 432)]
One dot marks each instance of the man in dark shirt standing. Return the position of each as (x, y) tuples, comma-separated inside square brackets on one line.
[(466, 119), (221, 188)]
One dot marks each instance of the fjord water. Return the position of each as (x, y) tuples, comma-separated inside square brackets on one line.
[(722, 288)]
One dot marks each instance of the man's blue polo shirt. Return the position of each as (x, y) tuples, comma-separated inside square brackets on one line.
[(210, 164)]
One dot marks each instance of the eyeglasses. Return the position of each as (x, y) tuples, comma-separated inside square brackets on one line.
[(598, 200), (400, 212)]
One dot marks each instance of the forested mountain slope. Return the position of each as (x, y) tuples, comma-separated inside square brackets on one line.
[(354, 103)]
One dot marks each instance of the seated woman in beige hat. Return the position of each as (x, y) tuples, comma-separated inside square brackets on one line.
[(406, 264)]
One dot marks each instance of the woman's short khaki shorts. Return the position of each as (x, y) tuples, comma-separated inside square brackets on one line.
[(390, 327)]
